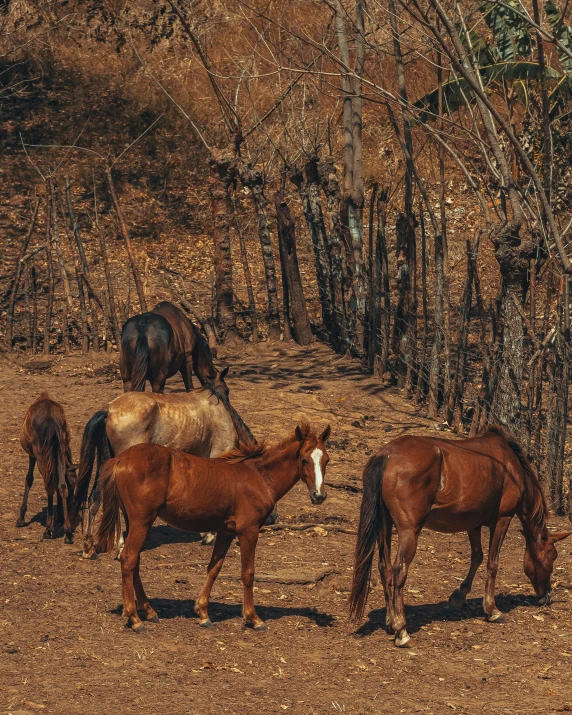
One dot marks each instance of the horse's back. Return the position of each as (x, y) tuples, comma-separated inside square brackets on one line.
[(182, 327), (458, 483), (44, 418), (193, 422)]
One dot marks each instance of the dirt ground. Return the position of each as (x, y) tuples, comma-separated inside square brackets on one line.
[(64, 647)]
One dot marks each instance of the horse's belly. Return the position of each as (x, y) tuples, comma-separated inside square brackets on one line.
[(450, 521), (194, 522)]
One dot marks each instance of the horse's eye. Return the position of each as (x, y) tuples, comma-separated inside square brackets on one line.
[(305, 462)]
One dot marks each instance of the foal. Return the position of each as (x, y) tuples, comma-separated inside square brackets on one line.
[(232, 495), (44, 436), (449, 486)]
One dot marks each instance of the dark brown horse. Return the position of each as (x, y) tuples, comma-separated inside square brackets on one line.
[(158, 344), (449, 486), (45, 438), (232, 495)]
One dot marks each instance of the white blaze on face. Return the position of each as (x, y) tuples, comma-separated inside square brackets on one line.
[(317, 459)]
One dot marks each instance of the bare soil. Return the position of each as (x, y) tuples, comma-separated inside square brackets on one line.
[(64, 647)]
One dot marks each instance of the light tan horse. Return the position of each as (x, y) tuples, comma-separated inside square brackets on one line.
[(200, 422), (232, 495)]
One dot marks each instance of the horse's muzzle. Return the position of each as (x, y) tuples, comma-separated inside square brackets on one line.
[(318, 498), (546, 600)]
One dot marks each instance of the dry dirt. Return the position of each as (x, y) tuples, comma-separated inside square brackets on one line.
[(64, 647)]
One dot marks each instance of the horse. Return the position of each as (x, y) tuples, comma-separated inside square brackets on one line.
[(232, 495), (158, 344), (201, 422), (449, 486), (44, 436)]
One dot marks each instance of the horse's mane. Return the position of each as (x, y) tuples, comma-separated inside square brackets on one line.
[(535, 503), (243, 451), (251, 450)]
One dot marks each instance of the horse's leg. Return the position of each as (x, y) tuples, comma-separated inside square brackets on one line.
[(29, 482), (142, 598), (127, 385), (187, 373), (49, 532), (386, 569), (129, 560), (92, 509), (498, 532), (457, 598), (405, 553), (248, 541), (222, 544), (63, 494)]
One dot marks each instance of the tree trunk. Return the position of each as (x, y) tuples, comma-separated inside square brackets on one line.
[(255, 182), (18, 275), (126, 239), (221, 177), (434, 370), (382, 283), (331, 188), (247, 275), (301, 329), (421, 382), (50, 269), (110, 289)]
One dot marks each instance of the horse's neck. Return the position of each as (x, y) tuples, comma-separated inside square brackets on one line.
[(533, 513), (280, 468)]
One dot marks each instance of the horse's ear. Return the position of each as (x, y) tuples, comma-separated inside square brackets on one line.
[(299, 434), (224, 373), (325, 436), (559, 536)]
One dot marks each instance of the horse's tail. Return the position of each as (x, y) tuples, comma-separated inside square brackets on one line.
[(370, 526), (140, 363), (48, 450), (109, 531), (94, 442)]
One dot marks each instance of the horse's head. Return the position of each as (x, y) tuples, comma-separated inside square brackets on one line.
[(539, 557), (313, 459), (218, 385)]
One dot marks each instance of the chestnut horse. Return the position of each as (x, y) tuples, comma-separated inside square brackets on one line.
[(232, 495), (45, 438), (158, 344), (449, 486), (201, 422)]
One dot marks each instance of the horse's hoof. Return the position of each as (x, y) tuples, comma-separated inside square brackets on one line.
[(68, 539), (153, 619), (457, 599), (206, 624), (403, 639), (139, 628), (47, 535), (261, 627), (20, 523), (497, 617)]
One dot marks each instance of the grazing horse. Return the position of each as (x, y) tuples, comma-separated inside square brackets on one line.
[(232, 495), (158, 344), (45, 438), (201, 422), (449, 486)]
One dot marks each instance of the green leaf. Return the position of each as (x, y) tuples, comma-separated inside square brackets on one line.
[(560, 95), (563, 33), (510, 32), (457, 92), (513, 71)]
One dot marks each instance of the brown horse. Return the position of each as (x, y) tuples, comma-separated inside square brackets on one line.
[(232, 495), (449, 486), (45, 438), (201, 422), (158, 344)]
